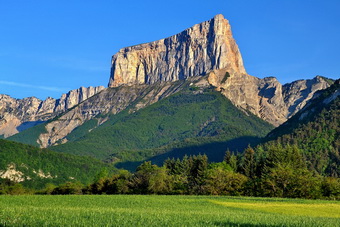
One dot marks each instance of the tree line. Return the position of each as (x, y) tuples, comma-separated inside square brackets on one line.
[(269, 170)]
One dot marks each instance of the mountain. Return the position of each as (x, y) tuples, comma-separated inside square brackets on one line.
[(194, 120), (147, 73), (209, 49), (34, 167), (316, 130), (109, 101), (17, 115), (193, 52)]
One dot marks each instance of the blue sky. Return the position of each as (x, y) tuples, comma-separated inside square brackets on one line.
[(50, 47)]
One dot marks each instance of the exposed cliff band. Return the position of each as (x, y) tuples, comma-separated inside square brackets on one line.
[(18, 114), (193, 52), (209, 49), (204, 49)]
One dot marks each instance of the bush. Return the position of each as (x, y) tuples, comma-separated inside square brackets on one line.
[(69, 188)]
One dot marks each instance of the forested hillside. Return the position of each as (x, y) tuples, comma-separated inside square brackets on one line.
[(301, 162), (34, 167), (316, 131), (190, 122)]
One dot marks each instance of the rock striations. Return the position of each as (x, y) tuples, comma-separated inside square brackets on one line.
[(205, 54), (266, 98), (109, 101), (193, 52), (19, 114), (209, 49)]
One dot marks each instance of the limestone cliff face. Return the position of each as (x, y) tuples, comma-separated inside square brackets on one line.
[(111, 101), (209, 49), (205, 54), (298, 93), (193, 52), (19, 114), (266, 98)]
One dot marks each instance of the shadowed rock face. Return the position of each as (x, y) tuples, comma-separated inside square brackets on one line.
[(19, 114), (266, 98), (193, 52)]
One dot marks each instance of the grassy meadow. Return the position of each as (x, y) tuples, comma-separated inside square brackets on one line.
[(150, 210)]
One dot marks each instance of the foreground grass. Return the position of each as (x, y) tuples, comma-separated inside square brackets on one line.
[(139, 210)]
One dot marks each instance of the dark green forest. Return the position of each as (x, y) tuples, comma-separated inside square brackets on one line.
[(299, 159), (53, 167), (192, 121), (272, 171), (316, 132), (189, 122)]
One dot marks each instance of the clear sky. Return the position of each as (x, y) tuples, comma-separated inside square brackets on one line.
[(50, 47)]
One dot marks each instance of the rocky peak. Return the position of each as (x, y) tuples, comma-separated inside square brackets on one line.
[(298, 93), (17, 114), (209, 49), (267, 98), (74, 97), (195, 51)]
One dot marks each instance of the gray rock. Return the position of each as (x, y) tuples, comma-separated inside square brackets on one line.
[(30, 111), (209, 49), (193, 52)]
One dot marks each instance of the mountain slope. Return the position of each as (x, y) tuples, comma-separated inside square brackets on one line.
[(144, 74), (109, 101), (34, 167), (16, 115), (192, 117), (209, 49), (316, 130)]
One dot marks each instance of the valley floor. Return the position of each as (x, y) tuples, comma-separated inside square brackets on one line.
[(155, 210)]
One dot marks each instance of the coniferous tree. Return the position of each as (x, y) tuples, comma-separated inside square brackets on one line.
[(248, 163)]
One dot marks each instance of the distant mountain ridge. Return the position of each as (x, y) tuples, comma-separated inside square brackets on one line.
[(209, 49), (19, 114), (144, 74), (316, 131), (109, 101), (196, 119)]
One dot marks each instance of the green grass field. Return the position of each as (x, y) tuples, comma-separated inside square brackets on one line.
[(143, 210)]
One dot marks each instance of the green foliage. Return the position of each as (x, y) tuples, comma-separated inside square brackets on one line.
[(316, 131), (331, 187), (30, 135), (231, 160), (248, 167), (151, 179), (68, 188), (221, 181), (8, 187), (82, 131), (116, 184), (54, 167), (280, 172), (194, 88), (186, 119), (284, 181)]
